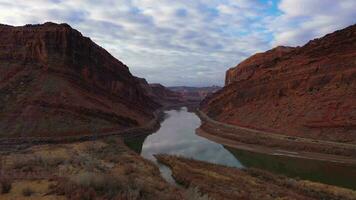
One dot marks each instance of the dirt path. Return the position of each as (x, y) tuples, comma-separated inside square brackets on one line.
[(147, 128), (276, 151), (205, 118)]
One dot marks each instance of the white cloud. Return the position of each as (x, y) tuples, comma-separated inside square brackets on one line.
[(186, 42), (164, 41), (303, 20)]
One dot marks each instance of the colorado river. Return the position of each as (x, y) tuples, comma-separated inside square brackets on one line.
[(177, 136)]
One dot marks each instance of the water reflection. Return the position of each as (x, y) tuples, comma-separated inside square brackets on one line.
[(177, 137), (319, 171)]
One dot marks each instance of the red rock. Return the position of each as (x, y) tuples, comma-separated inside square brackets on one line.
[(55, 82), (160, 94), (307, 91), (194, 94)]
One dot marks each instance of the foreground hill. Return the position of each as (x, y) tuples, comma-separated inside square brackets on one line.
[(307, 91), (221, 182), (56, 82)]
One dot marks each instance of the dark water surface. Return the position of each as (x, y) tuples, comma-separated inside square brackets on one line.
[(177, 136)]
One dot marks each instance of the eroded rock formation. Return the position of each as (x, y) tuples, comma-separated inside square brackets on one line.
[(56, 82), (307, 91), (161, 94)]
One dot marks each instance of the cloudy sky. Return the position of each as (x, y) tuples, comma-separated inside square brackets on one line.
[(187, 42)]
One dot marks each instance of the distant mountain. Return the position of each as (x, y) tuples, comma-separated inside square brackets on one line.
[(56, 82), (194, 94), (307, 91)]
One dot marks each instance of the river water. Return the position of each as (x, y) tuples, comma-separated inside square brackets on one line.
[(176, 136)]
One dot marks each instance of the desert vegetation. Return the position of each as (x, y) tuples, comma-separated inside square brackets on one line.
[(103, 169), (221, 182)]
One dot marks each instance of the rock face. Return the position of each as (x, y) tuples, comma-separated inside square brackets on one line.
[(194, 94), (307, 91), (179, 95), (160, 94), (55, 82)]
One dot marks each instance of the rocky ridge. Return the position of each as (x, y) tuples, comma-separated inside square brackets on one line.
[(56, 82), (307, 91)]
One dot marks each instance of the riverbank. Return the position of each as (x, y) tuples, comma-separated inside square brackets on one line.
[(221, 182), (145, 129), (275, 144), (84, 167), (133, 132)]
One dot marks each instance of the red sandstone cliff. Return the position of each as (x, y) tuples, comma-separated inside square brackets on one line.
[(307, 91), (54, 81)]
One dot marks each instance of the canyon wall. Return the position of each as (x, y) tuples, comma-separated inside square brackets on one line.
[(307, 91), (160, 94), (56, 82)]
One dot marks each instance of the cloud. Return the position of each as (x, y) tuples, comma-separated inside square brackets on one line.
[(303, 20), (186, 42)]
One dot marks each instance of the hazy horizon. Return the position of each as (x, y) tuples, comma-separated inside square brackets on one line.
[(187, 43)]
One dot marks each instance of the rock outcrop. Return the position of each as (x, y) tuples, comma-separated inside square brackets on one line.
[(56, 82), (307, 91), (160, 94)]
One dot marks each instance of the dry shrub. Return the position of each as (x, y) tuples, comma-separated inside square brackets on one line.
[(44, 161), (90, 186), (27, 191), (72, 190), (88, 163), (193, 193), (6, 185)]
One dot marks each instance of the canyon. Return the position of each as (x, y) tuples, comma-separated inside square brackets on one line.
[(282, 127), (194, 94)]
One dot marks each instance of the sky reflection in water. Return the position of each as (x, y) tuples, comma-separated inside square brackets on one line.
[(177, 137)]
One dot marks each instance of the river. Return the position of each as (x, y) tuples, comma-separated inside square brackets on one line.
[(176, 136)]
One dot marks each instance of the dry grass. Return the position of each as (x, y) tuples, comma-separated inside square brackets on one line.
[(103, 169), (30, 162), (193, 193)]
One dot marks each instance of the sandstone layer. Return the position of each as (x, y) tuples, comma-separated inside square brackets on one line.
[(161, 94), (307, 91), (56, 82)]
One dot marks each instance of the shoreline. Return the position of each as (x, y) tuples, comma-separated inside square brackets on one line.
[(274, 151), (124, 133), (132, 132), (254, 141)]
